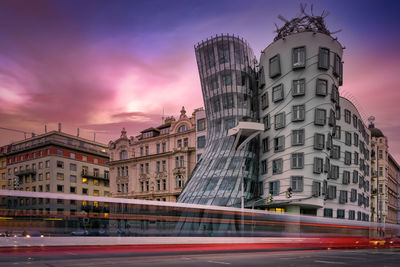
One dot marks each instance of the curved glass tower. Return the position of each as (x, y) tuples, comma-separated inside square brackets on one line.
[(227, 74)]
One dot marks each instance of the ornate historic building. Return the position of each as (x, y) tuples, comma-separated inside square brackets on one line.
[(156, 164)]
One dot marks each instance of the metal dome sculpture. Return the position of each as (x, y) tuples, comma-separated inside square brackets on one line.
[(303, 23)]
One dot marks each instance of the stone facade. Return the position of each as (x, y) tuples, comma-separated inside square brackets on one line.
[(156, 164)]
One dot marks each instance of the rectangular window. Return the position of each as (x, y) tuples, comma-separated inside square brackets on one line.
[(298, 87), (47, 163), (335, 94), (320, 117), (179, 143), (47, 176), (342, 197), (336, 65), (328, 213), (335, 152), (164, 165), (356, 157), (318, 165), (164, 145), (264, 166), (265, 144), (277, 93), (280, 120), (299, 57), (332, 119), (355, 120), (274, 188), (182, 161), (267, 122), (274, 66), (352, 215), (201, 141), (298, 137), (323, 58), (334, 172), (298, 113), (277, 166), (72, 167), (331, 192), (279, 143), (347, 116), (227, 101), (60, 176), (340, 213), (321, 87), (185, 142), (147, 168), (297, 160), (348, 138), (226, 79), (316, 189), (158, 148), (296, 183), (201, 124), (347, 158), (353, 195), (264, 101), (60, 164), (346, 177), (337, 132), (319, 141)]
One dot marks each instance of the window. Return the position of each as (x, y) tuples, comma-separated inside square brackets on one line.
[(316, 189), (84, 191), (353, 195), (72, 167), (352, 215), (182, 128), (60, 188), (274, 66), (40, 165), (355, 177), (265, 144), (319, 141), (335, 152), (95, 181), (182, 161), (298, 113), (164, 145), (47, 188), (185, 142), (355, 139), (84, 158), (267, 122), (84, 180), (164, 165), (164, 131), (179, 181), (337, 132), (280, 120), (298, 137), (355, 120), (335, 94), (264, 101), (279, 143), (296, 183), (227, 101), (348, 138), (47, 163), (277, 93), (332, 119), (47, 176), (141, 151), (146, 149), (298, 87), (297, 160), (72, 155), (337, 66), (337, 113), (318, 165), (340, 213), (342, 197), (331, 192), (158, 148), (356, 156), (264, 166), (201, 124), (299, 57), (223, 52), (147, 167), (277, 166), (123, 155), (72, 178), (60, 164), (274, 188), (84, 170), (72, 189), (328, 213), (179, 143), (347, 158), (59, 152), (164, 183), (320, 117), (216, 105), (346, 177), (323, 58), (380, 154), (347, 116), (321, 87), (60, 176), (334, 172)]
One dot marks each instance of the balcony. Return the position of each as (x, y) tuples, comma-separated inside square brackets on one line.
[(94, 175), (25, 172)]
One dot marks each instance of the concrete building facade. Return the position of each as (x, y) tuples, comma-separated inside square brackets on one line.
[(156, 164), (201, 132)]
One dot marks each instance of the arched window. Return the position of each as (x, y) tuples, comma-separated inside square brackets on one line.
[(123, 154), (182, 128)]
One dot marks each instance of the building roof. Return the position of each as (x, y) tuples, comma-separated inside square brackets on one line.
[(151, 129), (375, 132)]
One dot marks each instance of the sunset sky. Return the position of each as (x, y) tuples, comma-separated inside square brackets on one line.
[(104, 65)]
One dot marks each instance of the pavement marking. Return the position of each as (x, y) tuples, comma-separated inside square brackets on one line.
[(330, 262), (219, 262)]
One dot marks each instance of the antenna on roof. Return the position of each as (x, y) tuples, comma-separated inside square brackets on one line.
[(162, 118)]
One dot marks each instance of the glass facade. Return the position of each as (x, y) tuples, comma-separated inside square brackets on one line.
[(228, 79)]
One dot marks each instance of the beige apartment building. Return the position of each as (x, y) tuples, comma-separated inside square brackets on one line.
[(57, 162), (156, 164), (384, 183)]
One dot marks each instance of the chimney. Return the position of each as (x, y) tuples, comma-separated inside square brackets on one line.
[(77, 132), (45, 128), (59, 126)]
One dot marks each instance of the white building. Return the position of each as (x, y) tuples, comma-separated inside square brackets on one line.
[(309, 143)]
